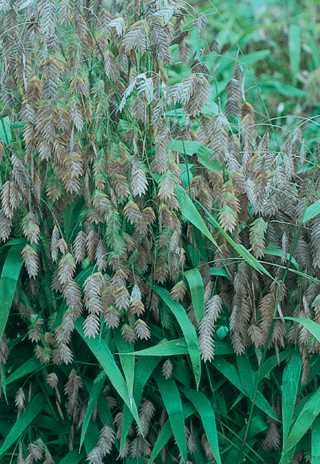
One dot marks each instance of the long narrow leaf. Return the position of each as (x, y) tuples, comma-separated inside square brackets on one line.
[(31, 412), (203, 406), (8, 283), (173, 405), (187, 328), (289, 392), (195, 282), (93, 398), (101, 351)]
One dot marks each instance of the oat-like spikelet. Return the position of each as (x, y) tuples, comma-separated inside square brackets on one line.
[(179, 291), (147, 411), (31, 229), (20, 400), (136, 304), (258, 230), (128, 333), (167, 369), (139, 183), (92, 297), (272, 438), (31, 261), (207, 326), (103, 447), (72, 390), (79, 246), (142, 330), (66, 269), (10, 198), (5, 226), (4, 350), (119, 290)]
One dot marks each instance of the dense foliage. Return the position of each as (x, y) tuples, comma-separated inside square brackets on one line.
[(160, 232)]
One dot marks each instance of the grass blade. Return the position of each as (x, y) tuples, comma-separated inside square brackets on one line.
[(144, 369), (294, 49), (304, 421), (127, 362), (101, 351), (93, 399), (31, 412), (289, 391), (173, 404), (195, 282), (71, 458), (311, 212), (164, 348), (187, 328), (315, 442), (190, 212), (8, 284), (203, 406)]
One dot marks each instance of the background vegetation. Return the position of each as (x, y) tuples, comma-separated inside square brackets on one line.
[(160, 231)]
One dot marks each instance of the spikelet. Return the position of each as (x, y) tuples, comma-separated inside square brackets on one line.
[(10, 198), (79, 246), (258, 231), (120, 291), (128, 333), (136, 304), (142, 330), (234, 93), (111, 317), (207, 326), (167, 369), (228, 214), (4, 351), (72, 390), (136, 38), (147, 411), (5, 226), (103, 447), (31, 261), (93, 302), (20, 400), (139, 183), (66, 269), (179, 291), (31, 229)]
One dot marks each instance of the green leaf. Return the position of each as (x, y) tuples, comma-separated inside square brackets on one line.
[(311, 212), (190, 212), (8, 284), (311, 326), (205, 410), (166, 433), (230, 372), (205, 154), (289, 391), (315, 442), (294, 43), (239, 248), (187, 328), (164, 348), (127, 362), (254, 57), (95, 391), (71, 458), (30, 413), (305, 419), (5, 130), (196, 286), (31, 365), (101, 351), (144, 370), (172, 402)]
